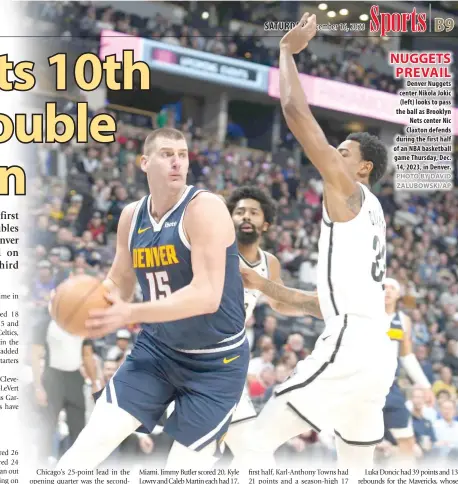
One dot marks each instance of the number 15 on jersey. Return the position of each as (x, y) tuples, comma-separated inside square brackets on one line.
[(159, 285)]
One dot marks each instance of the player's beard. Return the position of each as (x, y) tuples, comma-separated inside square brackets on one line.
[(247, 238)]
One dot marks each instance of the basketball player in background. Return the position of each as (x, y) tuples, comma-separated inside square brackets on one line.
[(343, 384), (253, 211), (179, 242), (398, 422)]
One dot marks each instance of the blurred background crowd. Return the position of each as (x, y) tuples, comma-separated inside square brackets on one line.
[(78, 192)]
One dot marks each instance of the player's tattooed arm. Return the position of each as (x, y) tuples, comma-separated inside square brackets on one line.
[(303, 302), (284, 300), (354, 201)]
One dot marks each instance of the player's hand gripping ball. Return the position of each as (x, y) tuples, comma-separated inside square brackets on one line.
[(105, 321), (299, 36), (72, 301)]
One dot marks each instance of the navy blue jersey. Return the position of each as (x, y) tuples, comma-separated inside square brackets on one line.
[(161, 258), (397, 335)]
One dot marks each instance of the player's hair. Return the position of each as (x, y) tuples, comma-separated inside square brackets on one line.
[(167, 133), (372, 149), (268, 205)]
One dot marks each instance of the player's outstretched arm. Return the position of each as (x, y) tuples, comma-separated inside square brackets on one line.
[(308, 306), (210, 231), (121, 276), (285, 300), (298, 115), (409, 360)]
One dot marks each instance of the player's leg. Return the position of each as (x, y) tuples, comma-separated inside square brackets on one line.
[(278, 422), (108, 426), (182, 457), (398, 423), (359, 424), (300, 403), (134, 399), (243, 419), (205, 406), (354, 456)]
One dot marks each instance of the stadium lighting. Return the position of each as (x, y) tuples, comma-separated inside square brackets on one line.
[(331, 14), (355, 126), (344, 11), (205, 15), (364, 17), (322, 6)]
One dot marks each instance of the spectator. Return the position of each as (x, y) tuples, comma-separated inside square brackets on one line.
[(423, 427), (450, 358), (295, 344), (97, 228), (44, 284), (446, 428), (118, 352), (450, 296), (270, 329), (421, 352), (257, 365), (117, 206), (452, 328), (420, 333), (427, 400), (445, 383), (258, 386)]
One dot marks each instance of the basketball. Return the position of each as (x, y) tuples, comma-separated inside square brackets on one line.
[(73, 300)]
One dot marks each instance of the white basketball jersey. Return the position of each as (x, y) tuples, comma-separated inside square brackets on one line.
[(352, 262), (251, 295)]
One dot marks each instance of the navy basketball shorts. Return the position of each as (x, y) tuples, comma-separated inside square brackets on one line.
[(206, 388), (396, 416)]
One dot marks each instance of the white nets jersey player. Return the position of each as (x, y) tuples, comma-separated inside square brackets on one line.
[(252, 295), (245, 409), (343, 384), (351, 264)]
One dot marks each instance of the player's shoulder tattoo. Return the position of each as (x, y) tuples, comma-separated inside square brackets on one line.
[(354, 201)]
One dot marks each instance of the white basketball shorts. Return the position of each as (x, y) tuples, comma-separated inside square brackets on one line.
[(245, 409), (343, 384)]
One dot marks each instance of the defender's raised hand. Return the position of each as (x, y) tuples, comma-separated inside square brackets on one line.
[(299, 36)]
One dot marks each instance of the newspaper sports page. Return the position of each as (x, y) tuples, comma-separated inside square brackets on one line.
[(229, 242)]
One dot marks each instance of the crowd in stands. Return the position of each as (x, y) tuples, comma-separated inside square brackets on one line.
[(84, 20)]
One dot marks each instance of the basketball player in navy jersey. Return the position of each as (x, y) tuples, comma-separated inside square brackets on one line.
[(179, 243), (253, 211), (343, 384), (397, 418)]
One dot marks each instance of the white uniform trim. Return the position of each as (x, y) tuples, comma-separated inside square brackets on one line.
[(157, 226), (181, 231), (210, 434), (215, 350), (133, 222), (252, 295), (232, 337), (114, 399)]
